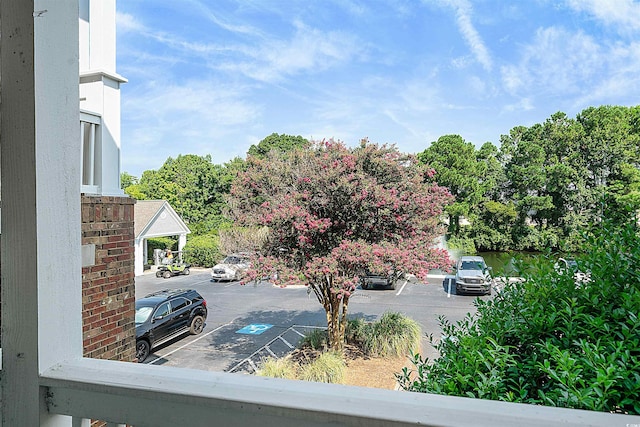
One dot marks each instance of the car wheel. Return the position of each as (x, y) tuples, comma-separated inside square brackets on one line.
[(186, 272), (158, 273), (458, 291), (364, 285), (166, 274), (392, 285), (197, 325), (142, 350)]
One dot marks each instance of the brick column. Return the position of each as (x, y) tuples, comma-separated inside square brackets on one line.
[(108, 296)]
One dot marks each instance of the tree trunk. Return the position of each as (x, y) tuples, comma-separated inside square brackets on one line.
[(336, 312)]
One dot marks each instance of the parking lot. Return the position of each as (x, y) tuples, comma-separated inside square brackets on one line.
[(247, 323)]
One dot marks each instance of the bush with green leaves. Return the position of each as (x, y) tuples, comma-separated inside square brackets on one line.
[(162, 243), (550, 340), (202, 250), (316, 339)]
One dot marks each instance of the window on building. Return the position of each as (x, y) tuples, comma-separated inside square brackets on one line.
[(91, 162)]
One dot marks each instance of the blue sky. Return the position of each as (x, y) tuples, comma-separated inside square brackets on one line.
[(214, 77)]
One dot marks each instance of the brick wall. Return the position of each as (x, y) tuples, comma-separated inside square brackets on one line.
[(108, 296)]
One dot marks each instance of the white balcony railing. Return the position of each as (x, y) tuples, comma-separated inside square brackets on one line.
[(157, 396), (44, 380)]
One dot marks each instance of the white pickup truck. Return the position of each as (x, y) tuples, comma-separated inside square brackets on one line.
[(472, 275)]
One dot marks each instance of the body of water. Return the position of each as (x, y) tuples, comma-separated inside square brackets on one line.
[(504, 262)]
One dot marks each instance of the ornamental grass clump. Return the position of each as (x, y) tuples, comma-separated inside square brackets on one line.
[(277, 368), (392, 335), (327, 368)]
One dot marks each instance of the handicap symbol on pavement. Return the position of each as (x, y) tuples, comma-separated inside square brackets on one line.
[(254, 329)]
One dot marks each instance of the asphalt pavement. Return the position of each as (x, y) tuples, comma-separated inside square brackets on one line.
[(247, 323)]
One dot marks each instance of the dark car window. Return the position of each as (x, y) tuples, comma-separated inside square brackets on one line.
[(178, 303), (471, 265), (162, 311)]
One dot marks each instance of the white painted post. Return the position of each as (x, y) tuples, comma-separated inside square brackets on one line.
[(182, 241), (41, 302)]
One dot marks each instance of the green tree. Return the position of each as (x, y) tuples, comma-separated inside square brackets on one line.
[(126, 180), (190, 184), (457, 168), (281, 143), (335, 212), (612, 143)]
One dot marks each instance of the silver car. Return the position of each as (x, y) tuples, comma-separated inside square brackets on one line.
[(231, 268), (473, 276)]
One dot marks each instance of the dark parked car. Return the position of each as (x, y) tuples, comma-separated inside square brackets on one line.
[(165, 315)]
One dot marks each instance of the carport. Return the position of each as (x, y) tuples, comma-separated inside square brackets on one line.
[(155, 218)]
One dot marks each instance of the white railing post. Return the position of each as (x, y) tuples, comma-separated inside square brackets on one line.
[(41, 302)]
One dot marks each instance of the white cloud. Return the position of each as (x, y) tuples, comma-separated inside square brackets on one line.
[(464, 11), (309, 49), (127, 22), (187, 117), (624, 15), (555, 61)]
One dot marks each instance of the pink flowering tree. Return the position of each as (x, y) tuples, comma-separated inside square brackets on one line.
[(335, 212)]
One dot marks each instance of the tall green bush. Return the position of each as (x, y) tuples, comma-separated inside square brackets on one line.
[(550, 340), (202, 250)]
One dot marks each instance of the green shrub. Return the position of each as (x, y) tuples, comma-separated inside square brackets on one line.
[(355, 331), (277, 368), (549, 340), (461, 245), (202, 250), (392, 335), (317, 339), (327, 368), (160, 243)]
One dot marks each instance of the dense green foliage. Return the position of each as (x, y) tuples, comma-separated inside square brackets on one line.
[(161, 243), (550, 340), (202, 250), (546, 183), (541, 188), (280, 143), (189, 183)]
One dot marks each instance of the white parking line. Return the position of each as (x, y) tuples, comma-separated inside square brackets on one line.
[(402, 287), (201, 282), (189, 343)]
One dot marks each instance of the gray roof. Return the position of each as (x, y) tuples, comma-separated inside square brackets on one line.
[(153, 218)]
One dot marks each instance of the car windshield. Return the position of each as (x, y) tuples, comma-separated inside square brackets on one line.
[(143, 313), (471, 265), (234, 260)]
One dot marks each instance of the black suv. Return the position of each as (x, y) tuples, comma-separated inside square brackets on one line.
[(164, 315)]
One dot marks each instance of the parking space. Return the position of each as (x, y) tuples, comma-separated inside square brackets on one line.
[(247, 323)]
